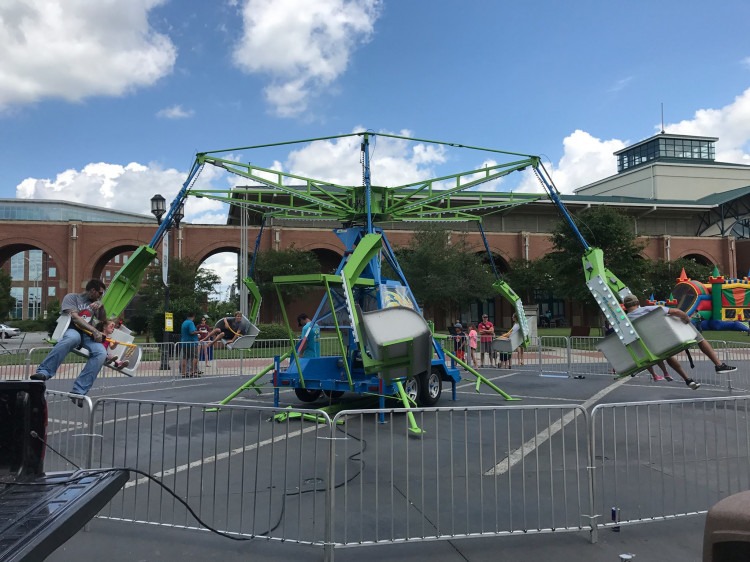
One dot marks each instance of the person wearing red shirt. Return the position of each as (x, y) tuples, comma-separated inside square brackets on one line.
[(486, 331)]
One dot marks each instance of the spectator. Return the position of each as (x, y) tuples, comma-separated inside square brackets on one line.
[(206, 352), (459, 341), (189, 345), (486, 331), (473, 336)]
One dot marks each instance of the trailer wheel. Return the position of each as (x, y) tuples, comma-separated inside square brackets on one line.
[(306, 395), (412, 387), (333, 394), (431, 387)]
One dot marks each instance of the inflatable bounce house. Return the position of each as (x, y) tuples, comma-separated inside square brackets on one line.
[(720, 304)]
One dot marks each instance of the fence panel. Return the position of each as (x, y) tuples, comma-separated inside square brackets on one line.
[(554, 356), (241, 472), (655, 460), (477, 471)]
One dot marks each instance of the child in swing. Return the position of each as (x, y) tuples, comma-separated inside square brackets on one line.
[(112, 360)]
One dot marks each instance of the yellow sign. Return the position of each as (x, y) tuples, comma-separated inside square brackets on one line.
[(168, 322)]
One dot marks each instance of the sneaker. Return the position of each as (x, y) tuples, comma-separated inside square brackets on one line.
[(77, 401), (692, 384), (39, 377), (668, 378), (658, 378), (121, 364), (724, 368)]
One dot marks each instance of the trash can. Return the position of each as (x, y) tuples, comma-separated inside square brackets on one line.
[(727, 534)]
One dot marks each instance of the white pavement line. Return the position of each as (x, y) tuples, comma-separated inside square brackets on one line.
[(516, 456), (176, 387), (222, 456), (497, 378)]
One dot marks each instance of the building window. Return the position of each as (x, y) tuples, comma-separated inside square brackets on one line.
[(16, 267), (51, 291), (52, 272), (17, 294)]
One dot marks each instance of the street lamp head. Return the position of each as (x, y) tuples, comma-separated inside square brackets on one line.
[(158, 207), (179, 214)]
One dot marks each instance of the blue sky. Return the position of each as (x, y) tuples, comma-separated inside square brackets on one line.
[(106, 102)]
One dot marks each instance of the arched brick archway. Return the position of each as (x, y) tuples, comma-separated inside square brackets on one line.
[(699, 258), (329, 259)]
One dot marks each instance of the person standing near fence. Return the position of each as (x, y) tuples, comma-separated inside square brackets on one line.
[(206, 351), (83, 308), (189, 345), (459, 341), (486, 331), (473, 346)]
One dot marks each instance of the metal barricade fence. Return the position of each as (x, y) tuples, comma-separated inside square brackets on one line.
[(241, 472), (658, 460), (734, 353), (364, 478), (553, 356), (584, 357), (478, 471), (68, 433)]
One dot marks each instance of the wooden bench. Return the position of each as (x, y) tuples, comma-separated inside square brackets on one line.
[(129, 353)]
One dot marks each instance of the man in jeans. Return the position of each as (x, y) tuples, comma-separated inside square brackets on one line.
[(84, 309), (634, 309)]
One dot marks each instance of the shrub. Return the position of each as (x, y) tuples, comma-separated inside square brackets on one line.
[(272, 332)]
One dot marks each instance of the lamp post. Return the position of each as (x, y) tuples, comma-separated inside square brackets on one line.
[(158, 208)]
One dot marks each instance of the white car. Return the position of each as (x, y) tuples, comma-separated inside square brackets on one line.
[(8, 332)]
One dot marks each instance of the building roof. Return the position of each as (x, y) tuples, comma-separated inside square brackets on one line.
[(56, 210)]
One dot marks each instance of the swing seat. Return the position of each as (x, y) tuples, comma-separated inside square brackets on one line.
[(399, 340), (509, 344), (246, 340), (663, 335), (127, 353)]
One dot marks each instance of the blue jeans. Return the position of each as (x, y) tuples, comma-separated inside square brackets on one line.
[(70, 341)]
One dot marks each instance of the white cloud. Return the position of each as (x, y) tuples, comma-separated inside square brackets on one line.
[(731, 124), (75, 49), (175, 112), (392, 161), (302, 46), (127, 188)]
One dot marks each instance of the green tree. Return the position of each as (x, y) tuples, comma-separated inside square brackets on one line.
[(605, 228), (291, 261), (7, 303), (189, 288), (443, 272), (662, 276), (530, 277)]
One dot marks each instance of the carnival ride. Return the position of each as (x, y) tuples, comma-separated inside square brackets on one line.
[(385, 344)]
